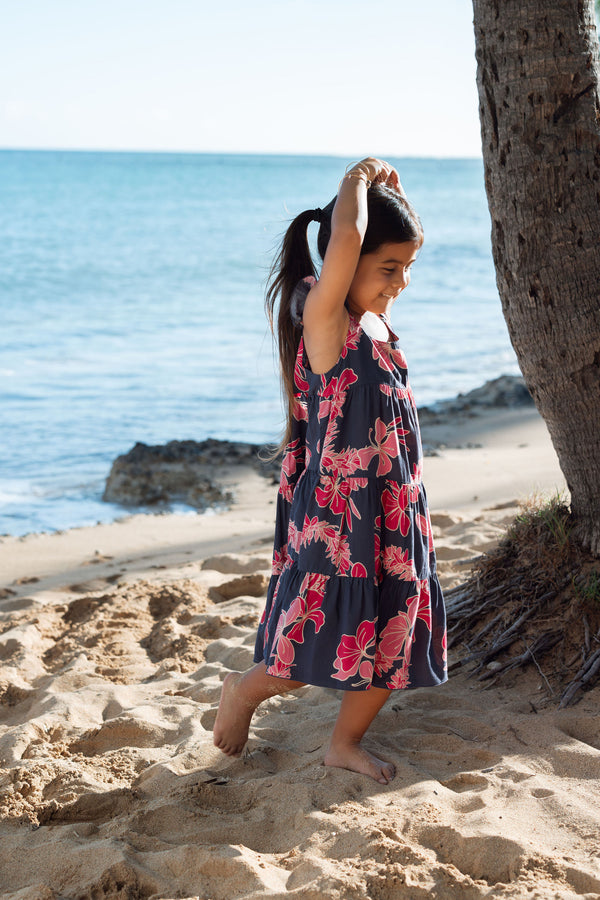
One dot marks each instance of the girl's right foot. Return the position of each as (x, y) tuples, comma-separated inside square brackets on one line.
[(354, 757), (232, 724)]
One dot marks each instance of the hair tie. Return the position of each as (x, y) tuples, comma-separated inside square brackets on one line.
[(318, 215)]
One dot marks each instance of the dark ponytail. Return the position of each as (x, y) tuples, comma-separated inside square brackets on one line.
[(391, 219), (292, 264)]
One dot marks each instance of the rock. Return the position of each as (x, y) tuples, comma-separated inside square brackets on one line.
[(505, 391), (180, 471)]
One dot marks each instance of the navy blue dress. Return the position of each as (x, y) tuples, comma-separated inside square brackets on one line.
[(354, 599)]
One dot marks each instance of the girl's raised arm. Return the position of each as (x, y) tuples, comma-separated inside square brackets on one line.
[(325, 318)]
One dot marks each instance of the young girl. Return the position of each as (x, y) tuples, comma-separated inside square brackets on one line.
[(354, 601)]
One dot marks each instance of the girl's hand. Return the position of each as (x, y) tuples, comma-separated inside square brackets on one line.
[(377, 171), (325, 317)]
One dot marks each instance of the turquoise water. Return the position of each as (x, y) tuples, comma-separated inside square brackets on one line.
[(131, 292)]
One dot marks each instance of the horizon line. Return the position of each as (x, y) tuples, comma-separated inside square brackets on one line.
[(173, 152)]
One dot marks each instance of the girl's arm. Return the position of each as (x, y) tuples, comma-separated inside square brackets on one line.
[(325, 318)]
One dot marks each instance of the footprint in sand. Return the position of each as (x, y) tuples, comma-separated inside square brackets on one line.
[(490, 858), (92, 807), (82, 609), (585, 729), (122, 731), (207, 719), (466, 781), (541, 793)]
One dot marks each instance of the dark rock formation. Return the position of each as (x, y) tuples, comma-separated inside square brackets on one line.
[(180, 471), (508, 391)]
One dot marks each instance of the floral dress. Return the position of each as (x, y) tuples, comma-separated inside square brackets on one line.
[(354, 599)]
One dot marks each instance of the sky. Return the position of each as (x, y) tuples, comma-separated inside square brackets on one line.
[(339, 77)]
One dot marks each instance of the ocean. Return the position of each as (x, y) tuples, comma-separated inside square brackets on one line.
[(131, 307)]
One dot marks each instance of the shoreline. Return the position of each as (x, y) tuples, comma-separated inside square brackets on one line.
[(484, 465), (183, 474)]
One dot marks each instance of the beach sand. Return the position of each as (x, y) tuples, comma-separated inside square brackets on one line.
[(115, 641)]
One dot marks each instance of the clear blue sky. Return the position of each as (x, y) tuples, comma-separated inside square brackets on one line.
[(389, 77)]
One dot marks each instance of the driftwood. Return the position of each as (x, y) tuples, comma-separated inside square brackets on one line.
[(523, 606)]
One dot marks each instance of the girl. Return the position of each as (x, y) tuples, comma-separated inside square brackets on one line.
[(354, 601)]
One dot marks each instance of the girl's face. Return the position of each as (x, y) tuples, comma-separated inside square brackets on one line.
[(380, 276)]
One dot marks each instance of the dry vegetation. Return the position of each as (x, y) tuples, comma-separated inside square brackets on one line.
[(533, 601)]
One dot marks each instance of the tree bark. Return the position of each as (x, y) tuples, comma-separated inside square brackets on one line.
[(537, 77)]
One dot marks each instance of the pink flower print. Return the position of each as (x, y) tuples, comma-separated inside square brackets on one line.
[(355, 653), (336, 493), (346, 462), (353, 335), (386, 389), (395, 502), (283, 649), (404, 393), (381, 357), (377, 550), (398, 357), (306, 607), (424, 525), (289, 467), (400, 679), (300, 381), (352, 339), (417, 475), (358, 570), (279, 558), (294, 536), (300, 410), (290, 626), (333, 493), (440, 642), (336, 544), (339, 553), (289, 464), (334, 393), (286, 489), (385, 444), (391, 642), (278, 669), (396, 562), (419, 606)]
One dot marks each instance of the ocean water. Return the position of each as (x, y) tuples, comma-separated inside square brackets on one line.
[(131, 307)]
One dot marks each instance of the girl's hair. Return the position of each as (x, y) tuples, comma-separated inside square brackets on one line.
[(391, 219)]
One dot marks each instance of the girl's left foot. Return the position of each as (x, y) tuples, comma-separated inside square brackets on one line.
[(232, 724), (357, 759)]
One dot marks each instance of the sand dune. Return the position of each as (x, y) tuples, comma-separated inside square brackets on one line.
[(110, 786)]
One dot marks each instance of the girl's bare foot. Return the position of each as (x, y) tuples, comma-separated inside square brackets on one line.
[(354, 757), (232, 724)]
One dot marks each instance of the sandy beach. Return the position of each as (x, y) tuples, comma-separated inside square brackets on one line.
[(115, 641)]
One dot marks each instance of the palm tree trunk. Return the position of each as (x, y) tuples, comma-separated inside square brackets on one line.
[(537, 77)]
